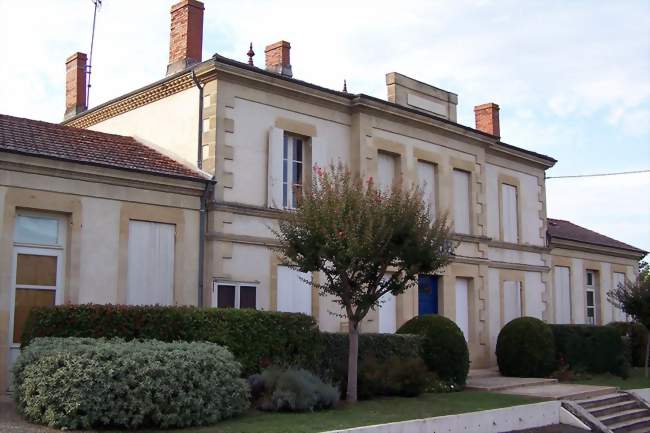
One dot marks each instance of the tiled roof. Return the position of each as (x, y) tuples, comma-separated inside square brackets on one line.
[(33, 137), (561, 229)]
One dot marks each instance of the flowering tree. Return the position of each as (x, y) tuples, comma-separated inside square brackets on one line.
[(365, 241), (633, 297)]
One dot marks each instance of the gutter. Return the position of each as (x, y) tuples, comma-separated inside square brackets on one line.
[(203, 218)]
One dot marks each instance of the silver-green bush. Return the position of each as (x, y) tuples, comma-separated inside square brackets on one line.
[(79, 383)]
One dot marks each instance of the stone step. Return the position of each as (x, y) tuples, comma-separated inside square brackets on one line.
[(501, 383), (631, 425), (624, 415), (483, 372), (600, 411), (603, 400)]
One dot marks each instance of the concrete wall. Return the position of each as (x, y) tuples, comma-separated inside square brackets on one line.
[(97, 214)]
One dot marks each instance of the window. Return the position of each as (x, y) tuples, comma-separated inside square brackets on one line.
[(509, 221), (293, 291), (511, 300), (234, 295), (38, 255), (591, 298), (562, 284), (386, 170), (461, 202), (292, 170), (150, 269), (427, 182)]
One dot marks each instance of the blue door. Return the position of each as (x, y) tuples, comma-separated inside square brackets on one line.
[(427, 295)]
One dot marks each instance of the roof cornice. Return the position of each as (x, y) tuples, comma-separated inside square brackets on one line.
[(570, 244)]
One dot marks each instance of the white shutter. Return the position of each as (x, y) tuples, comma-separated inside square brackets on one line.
[(511, 301), (276, 145), (387, 314), (617, 314), (462, 306), (509, 212), (461, 202), (294, 293), (386, 165), (427, 182), (319, 154), (562, 283), (150, 272)]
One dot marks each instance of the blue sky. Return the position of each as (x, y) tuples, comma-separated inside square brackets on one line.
[(572, 77)]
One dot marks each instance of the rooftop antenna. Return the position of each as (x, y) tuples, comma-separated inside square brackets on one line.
[(98, 5)]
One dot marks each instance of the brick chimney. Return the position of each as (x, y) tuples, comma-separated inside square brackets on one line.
[(186, 35), (487, 118), (278, 59), (75, 85)]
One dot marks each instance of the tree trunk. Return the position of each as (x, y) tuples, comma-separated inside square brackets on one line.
[(647, 354), (353, 358)]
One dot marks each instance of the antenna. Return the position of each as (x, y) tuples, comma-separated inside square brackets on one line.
[(98, 4)]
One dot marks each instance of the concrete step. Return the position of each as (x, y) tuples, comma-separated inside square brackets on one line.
[(603, 400), (601, 411), (500, 383), (624, 415), (631, 425), (483, 372)]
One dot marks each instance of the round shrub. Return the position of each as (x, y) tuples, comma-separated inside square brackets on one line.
[(444, 349), (526, 348), (82, 383)]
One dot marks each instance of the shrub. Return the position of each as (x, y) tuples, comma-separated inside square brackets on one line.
[(444, 348), (80, 383), (256, 338), (394, 377), (638, 339), (594, 349), (334, 362), (294, 390), (526, 348)]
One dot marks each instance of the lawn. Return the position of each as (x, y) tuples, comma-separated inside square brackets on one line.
[(364, 413), (636, 380)]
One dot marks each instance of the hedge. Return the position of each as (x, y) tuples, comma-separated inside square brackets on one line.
[(256, 338), (444, 348), (595, 349), (637, 335), (82, 383), (526, 348)]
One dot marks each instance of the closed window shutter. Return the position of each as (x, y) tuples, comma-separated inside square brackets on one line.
[(462, 306), (461, 202), (319, 156), (386, 167), (427, 182), (276, 142), (511, 300), (294, 293), (617, 314), (509, 213), (562, 294)]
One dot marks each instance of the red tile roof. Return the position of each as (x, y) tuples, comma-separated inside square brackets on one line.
[(561, 229), (33, 137)]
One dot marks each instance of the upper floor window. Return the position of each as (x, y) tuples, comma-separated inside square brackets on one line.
[(292, 170), (427, 183), (509, 214), (462, 202), (39, 229), (386, 170)]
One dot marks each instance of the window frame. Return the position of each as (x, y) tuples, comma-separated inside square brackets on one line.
[(590, 288), (289, 199), (237, 285)]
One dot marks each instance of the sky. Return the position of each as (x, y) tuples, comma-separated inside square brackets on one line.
[(572, 78)]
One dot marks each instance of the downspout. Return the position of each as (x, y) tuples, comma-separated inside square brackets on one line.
[(203, 218), (199, 154)]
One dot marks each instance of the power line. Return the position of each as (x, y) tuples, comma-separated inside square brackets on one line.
[(599, 174)]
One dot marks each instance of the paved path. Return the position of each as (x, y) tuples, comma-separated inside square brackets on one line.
[(11, 422)]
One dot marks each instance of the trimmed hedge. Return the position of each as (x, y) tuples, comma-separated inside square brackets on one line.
[(526, 348), (595, 349), (81, 383), (256, 338), (372, 348), (444, 348), (637, 335)]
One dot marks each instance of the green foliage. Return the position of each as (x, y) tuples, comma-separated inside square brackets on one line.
[(79, 383), (444, 349), (594, 349), (633, 297), (526, 348), (256, 338), (393, 377), (637, 336), (644, 272), (380, 347), (294, 390)]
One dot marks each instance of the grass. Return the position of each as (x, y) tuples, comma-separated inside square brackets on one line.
[(364, 413), (636, 380)]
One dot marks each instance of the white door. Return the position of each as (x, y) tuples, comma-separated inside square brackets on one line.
[(387, 314), (511, 301), (294, 291), (562, 283), (150, 272), (462, 306)]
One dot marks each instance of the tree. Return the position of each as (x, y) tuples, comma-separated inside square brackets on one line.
[(633, 297), (644, 271), (355, 234)]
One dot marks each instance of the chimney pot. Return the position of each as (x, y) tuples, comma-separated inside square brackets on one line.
[(278, 58), (186, 35), (487, 118), (75, 85)]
